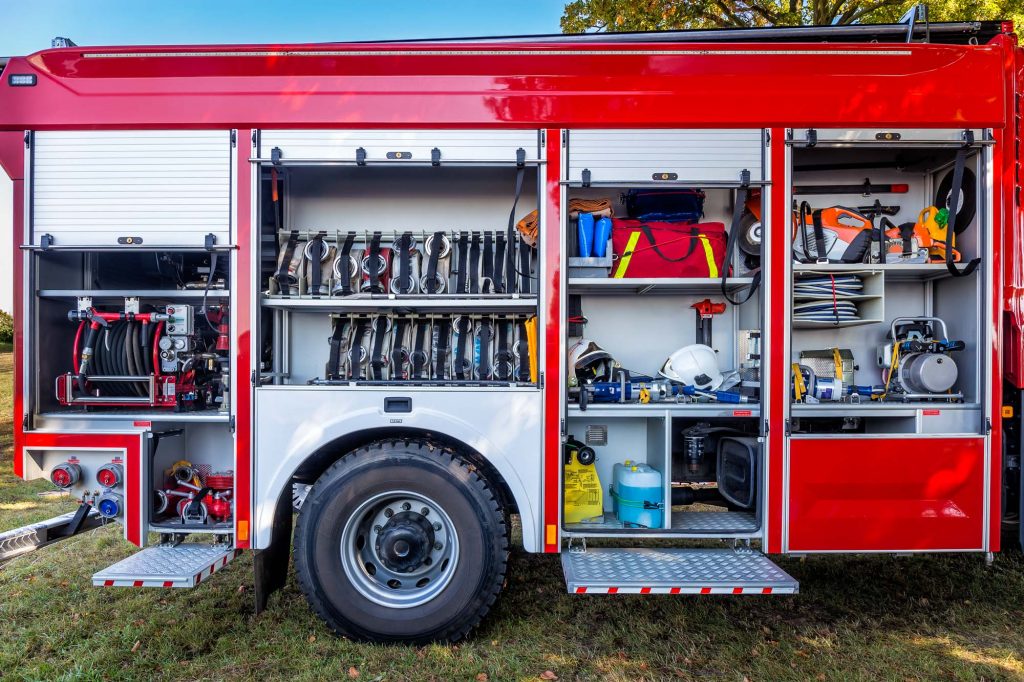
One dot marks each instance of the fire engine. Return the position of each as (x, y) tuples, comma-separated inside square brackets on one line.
[(385, 309)]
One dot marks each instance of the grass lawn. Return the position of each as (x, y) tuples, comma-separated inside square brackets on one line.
[(860, 618)]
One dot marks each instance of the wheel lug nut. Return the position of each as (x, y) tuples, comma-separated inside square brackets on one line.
[(437, 526), (438, 546), (406, 506), (424, 511), (389, 513), (376, 529)]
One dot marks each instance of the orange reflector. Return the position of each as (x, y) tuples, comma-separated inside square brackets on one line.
[(243, 530), (1007, 411), (552, 534)]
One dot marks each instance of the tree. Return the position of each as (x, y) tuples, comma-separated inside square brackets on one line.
[(648, 15), (6, 328)]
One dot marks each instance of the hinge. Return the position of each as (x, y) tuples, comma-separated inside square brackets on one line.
[(565, 138), (231, 423), (766, 427), (254, 136), (585, 176), (788, 428), (25, 422), (988, 424), (812, 137), (252, 378), (540, 380), (767, 138), (234, 139), (577, 545), (561, 427), (28, 138), (543, 138)]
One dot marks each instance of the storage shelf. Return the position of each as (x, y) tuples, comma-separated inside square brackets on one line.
[(874, 409), (893, 272), (708, 522), (820, 324), (102, 294), (608, 286), (666, 410), (436, 303), (133, 414)]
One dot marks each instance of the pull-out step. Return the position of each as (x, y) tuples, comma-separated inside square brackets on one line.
[(674, 571), (184, 565)]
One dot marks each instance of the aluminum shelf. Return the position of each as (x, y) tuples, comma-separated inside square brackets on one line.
[(609, 286), (666, 410), (893, 271), (438, 303), (169, 294)]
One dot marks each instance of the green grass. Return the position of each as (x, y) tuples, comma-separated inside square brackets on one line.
[(860, 618)]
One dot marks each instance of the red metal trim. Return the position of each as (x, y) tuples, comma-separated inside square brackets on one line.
[(778, 365), (551, 310), (242, 315), (131, 443)]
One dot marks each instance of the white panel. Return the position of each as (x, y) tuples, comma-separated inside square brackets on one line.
[(717, 155), (455, 145), (171, 188)]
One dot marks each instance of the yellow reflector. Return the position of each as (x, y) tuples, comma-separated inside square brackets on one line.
[(1007, 411), (243, 530), (552, 534)]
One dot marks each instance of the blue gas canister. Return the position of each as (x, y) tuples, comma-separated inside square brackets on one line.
[(637, 494)]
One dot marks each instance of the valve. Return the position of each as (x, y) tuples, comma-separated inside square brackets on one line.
[(110, 475), (66, 475), (110, 505)]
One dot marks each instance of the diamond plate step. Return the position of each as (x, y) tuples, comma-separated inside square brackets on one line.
[(674, 571), (185, 565)]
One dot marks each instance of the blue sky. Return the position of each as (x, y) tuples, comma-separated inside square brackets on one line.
[(26, 27)]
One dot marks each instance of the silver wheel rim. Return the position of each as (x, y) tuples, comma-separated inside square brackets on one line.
[(371, 544)]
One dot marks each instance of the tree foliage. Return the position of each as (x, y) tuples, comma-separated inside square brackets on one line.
[(648, 15), (6, 328)]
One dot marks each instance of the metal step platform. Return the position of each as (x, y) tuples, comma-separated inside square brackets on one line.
[(184, 565), (34, 536), (674, 571)]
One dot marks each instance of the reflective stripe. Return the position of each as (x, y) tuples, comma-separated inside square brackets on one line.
[(627, 254), (709, 254)]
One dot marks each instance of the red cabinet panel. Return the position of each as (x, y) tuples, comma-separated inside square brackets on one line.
[(886, 494)]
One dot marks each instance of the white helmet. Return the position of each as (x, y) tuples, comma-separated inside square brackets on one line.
[(695, 365), (589, 362)]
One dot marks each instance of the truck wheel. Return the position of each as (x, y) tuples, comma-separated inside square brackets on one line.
[(401, 541)]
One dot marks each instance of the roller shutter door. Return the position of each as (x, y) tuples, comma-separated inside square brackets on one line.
[(400, 145)]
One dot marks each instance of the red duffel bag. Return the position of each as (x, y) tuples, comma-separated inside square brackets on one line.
[(651, 249)]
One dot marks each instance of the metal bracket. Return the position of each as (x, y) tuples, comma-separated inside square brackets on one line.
[(84, 303), (45, 242), (744, 178), (234, 138), (520, 157), (275, 156), (812, 137), (209, 242), (361, 157), (585, 176), (131, 305), (435, 157), (968, 137), (575, 548)]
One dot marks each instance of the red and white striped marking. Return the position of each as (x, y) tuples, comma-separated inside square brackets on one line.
[(690, 589), (177, 581)]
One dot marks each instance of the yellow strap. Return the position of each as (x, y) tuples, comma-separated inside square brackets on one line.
[(627, 254), (531, 344), (798, 383), (837, 359), (709, 253)]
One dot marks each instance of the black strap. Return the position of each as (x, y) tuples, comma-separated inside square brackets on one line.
[(377, 362), (372, 263), (819, 236), (460, 280), (316, 253), (954, 207), (419, 354), (499, 263), (524, 352), (286, 258), (355, 369), (405, 263), (524, 269), (441, 347), (436, 242), (474, 263), (345, 264), (646, 230), (511, 264), (462, 365), (575, 312), (338, 335), (399, 353), (503, 357), (730, 249), (487, 285), (486, 333)]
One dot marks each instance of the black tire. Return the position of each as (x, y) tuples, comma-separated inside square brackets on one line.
[(335, 503), (968, 191)]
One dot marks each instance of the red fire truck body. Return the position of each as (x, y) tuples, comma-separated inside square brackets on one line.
[(192, 183)]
